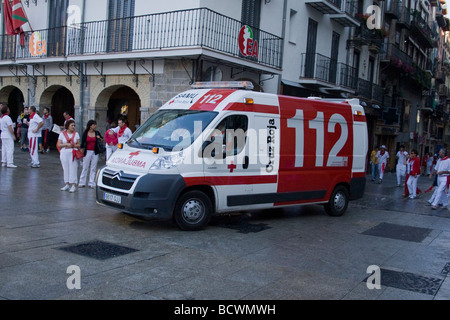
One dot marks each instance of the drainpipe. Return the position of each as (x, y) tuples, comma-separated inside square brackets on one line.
[(82, 71), (283, 36)]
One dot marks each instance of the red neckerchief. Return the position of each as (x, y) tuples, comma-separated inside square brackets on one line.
[(66, 134), (444, 158), (46, 116), (122, 130), (382, 152), (32, 115), (4, 115)]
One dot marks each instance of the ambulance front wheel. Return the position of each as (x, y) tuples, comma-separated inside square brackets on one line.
[(338, 203), (192, 211)]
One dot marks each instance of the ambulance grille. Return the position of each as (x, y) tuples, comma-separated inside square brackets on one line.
[(118, 180)]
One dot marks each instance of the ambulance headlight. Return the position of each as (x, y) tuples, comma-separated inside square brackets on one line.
[(168, 162)]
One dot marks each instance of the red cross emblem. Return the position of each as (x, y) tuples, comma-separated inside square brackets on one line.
[(232, 166), (134, 154)]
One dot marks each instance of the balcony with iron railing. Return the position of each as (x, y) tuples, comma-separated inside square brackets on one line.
[(394, 57), (365, 36), (405, 17), (427, 36), (393, 8), (347, 16), (325, 6), (317, 68), (156, 33), (341, 11), (347, 76)]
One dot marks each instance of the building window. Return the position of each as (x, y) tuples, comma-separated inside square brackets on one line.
[(251, 13), (292, 23), (57, 17), (120, 25)]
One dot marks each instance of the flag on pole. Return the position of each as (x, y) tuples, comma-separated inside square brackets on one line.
[(18, 15), (7, 10), (14, 19)]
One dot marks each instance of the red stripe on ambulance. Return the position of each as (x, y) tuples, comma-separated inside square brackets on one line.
[(251, 108), (211, 100), (229, 180)]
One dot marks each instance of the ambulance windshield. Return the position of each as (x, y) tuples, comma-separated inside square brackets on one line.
[(169, 129)]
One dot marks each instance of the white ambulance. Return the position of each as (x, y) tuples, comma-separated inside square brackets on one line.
[(210, 151)]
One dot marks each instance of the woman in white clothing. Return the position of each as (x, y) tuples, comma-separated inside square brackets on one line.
[(91, 151), (68, 141), (7, 136)]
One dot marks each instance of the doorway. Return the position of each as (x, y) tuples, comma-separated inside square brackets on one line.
[(124, 102)]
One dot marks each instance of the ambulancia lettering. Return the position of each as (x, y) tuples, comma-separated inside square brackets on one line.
[(129, 162)]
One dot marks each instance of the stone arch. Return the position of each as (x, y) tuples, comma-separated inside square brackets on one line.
[(111, 103), (14, 98), (59, 99)]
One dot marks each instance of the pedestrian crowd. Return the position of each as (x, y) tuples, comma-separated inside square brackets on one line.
[(34, 133), (409, 168)]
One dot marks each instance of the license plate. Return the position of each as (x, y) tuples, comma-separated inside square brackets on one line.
[(112, 198)]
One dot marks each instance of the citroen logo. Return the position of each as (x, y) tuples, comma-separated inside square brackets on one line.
[(117, 175)]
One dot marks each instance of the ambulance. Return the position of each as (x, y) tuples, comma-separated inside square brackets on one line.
[(221, 147)]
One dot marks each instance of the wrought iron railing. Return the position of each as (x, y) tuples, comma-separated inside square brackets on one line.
[(178, 29), (377, 93), (316, 66), (337, 3), (348, 76), (350, 7), (365, 88)]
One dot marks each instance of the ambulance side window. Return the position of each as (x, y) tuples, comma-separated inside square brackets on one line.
[(233, 134)]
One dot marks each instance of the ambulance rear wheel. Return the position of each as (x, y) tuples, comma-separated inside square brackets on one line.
[(192, 211), (338, 203)]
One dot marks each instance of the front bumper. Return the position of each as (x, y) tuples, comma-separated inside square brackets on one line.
[(150, 196)]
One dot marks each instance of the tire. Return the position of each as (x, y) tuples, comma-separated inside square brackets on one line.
[(338, 203), (192, 211)]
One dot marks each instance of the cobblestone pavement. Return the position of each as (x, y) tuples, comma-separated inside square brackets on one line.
[(283, 254)]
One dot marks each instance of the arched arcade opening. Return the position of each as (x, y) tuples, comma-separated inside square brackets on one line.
[(59, 99), (120, 101), (13, 97)]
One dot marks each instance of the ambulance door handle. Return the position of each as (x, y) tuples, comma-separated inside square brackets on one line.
[(246, 162)]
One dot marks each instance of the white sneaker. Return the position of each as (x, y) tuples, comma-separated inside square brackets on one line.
[(3, 164), (73, 189), (65, 188), (11, 166)]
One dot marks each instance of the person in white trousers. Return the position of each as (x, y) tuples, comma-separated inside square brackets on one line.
[(413, 164), (382, 156), (443, 171), (34, 133), (69, 140), (8, 138), (401, 165), (90, 148)]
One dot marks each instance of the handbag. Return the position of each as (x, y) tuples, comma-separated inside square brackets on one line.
[(101, 148), (78, 154)]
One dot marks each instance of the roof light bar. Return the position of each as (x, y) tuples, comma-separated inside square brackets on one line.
[(247, 85)]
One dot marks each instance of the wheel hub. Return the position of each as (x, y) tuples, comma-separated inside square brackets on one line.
[(193, 210), (339, 201)]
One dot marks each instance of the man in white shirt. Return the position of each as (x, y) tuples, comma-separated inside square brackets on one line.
[(8, 138), (401, 164), (34, 133), (382, 156), (123, 132)]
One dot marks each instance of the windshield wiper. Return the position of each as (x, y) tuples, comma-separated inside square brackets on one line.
[(137, 142)]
